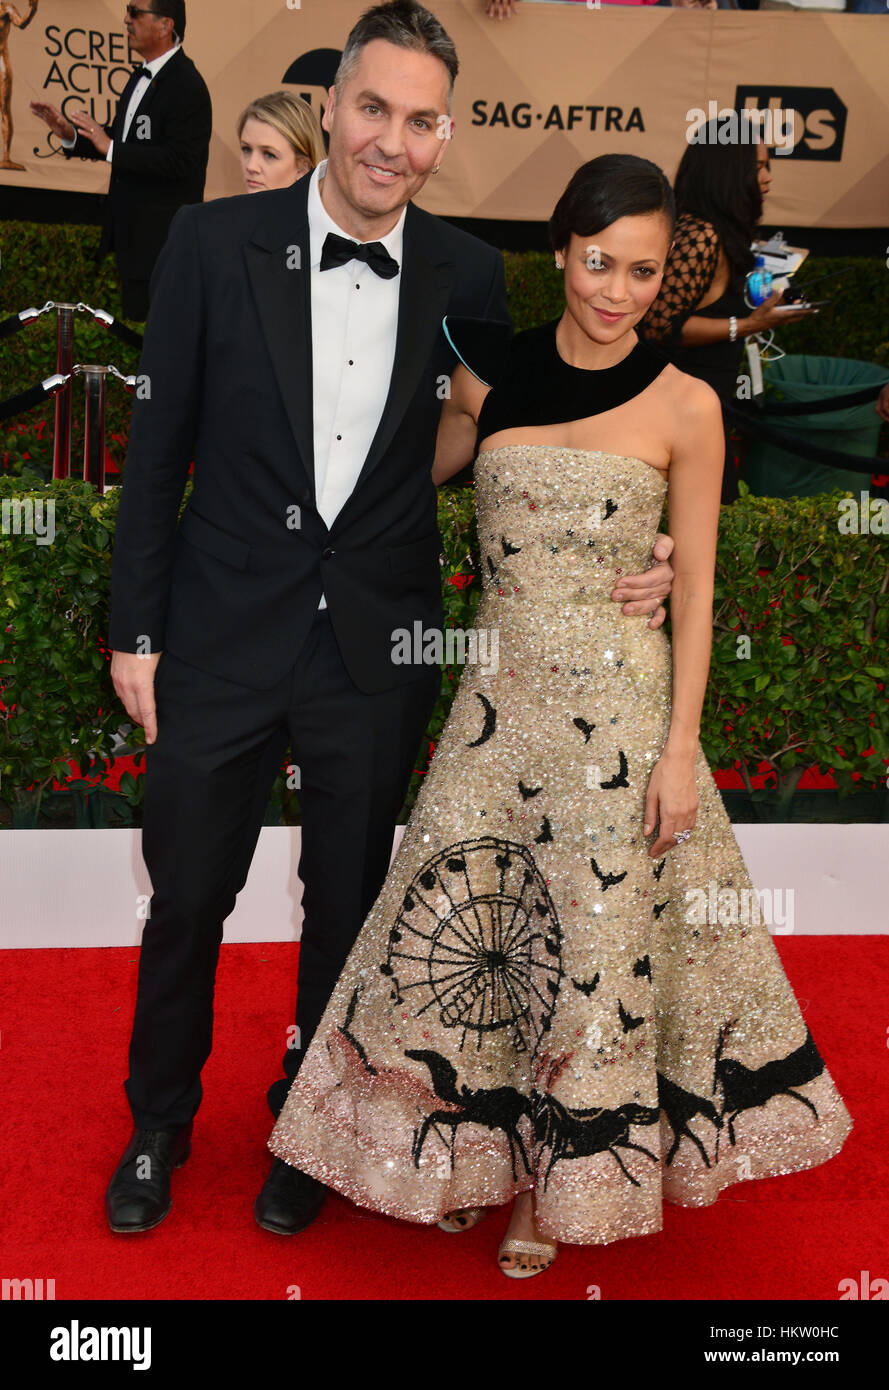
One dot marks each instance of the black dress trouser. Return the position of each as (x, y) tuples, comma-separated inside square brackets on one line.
[(208, 779)]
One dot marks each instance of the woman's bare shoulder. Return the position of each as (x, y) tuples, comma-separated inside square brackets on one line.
[(689, 393)]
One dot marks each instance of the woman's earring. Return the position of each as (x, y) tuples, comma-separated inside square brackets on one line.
[(559, 265)]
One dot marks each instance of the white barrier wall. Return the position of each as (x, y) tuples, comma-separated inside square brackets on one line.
[(87, 887)]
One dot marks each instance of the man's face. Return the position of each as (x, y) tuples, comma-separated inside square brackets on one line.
[(145, 29), (388, 128)]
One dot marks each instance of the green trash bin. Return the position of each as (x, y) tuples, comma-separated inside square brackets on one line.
[(770, 471)]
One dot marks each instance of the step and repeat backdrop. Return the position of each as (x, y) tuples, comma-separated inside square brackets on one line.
[(536, 96)]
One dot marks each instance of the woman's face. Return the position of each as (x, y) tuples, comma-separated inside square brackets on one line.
[(763, 174), (268, 160), (612, 278)]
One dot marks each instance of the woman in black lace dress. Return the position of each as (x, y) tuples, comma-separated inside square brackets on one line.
[(700, 318)]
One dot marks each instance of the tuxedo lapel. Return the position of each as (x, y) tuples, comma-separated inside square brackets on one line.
[(123, 105), (148, 96), (278, 266), (425, 288)]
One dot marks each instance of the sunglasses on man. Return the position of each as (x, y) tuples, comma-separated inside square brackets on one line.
[(134, 11)]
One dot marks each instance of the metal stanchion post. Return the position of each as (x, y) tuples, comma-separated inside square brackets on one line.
[(61, 464), (94, 425)]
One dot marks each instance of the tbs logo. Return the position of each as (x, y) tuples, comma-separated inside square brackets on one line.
[(819, 117)]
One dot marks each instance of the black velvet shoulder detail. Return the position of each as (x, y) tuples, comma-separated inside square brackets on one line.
[(482, 345), (539, 388)]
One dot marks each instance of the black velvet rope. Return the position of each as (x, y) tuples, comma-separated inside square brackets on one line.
[(23, 401), (794, 444), (769, 407), (11, 325), (126, 335)]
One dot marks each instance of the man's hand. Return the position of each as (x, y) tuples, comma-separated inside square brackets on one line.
[(92, 130), (133, 678), (644, 593), (54, 119)]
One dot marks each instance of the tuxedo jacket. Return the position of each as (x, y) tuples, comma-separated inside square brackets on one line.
[(227, 361), (152, 177)]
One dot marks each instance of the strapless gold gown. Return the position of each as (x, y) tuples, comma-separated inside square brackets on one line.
[(533, 1001)]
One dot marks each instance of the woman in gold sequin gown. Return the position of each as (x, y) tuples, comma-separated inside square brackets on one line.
[(537, 1007)]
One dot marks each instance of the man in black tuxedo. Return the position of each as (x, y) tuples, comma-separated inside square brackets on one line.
[(295, 350), (157, 146)]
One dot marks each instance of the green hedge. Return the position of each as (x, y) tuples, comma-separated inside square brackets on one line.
[(47, 262), (44, 262), (813, 677), (799, 660)]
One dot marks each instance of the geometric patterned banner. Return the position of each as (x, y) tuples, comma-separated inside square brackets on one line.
[(536, 96)]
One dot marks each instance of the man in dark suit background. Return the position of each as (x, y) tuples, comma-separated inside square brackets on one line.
[(295, 350), (157, 146)]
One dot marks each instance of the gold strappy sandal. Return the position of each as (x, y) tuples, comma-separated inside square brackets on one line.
[(463, 1219), (511, 1246)]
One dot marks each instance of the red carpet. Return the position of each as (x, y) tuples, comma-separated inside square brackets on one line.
[(66, 1017)]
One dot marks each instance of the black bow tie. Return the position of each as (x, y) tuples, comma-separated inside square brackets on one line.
[(339, 250), (142, 72)]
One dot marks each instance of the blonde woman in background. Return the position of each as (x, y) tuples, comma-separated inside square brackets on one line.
[(280, 139)]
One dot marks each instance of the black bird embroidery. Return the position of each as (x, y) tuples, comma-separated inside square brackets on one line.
[(620, 778), (545, 835), (659, 868), (508, 547), (627, 1019), (491, 566), (659, 908), (607, 880), (642, 968), (490, 723), (585, 728), (610, 508), (528, 791), (586, 987)]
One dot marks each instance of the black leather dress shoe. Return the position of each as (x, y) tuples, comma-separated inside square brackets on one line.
[(138, 1195), (289, 1201)]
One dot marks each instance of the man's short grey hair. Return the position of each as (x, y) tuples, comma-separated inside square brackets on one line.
[(405, 24)]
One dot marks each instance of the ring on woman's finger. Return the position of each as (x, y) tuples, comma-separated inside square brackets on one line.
[(680, 836)]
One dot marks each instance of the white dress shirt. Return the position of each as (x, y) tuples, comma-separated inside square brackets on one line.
[(354, 323), (136, 96)]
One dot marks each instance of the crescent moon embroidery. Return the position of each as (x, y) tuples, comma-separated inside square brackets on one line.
[(620, 778), (490, 723)]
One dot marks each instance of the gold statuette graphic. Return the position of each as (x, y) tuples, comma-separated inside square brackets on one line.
[(9, 15)]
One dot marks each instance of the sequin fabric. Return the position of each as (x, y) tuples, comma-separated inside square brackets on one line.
[(533, 1001)]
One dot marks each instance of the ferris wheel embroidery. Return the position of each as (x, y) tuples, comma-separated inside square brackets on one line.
[(477, 942)]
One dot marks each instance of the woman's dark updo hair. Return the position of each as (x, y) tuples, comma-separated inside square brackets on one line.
[(606, 188), (719, 183)]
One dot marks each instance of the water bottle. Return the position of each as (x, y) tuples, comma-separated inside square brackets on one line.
[(759, 282)]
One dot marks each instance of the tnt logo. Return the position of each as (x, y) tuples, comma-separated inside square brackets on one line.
[(819, 117)]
